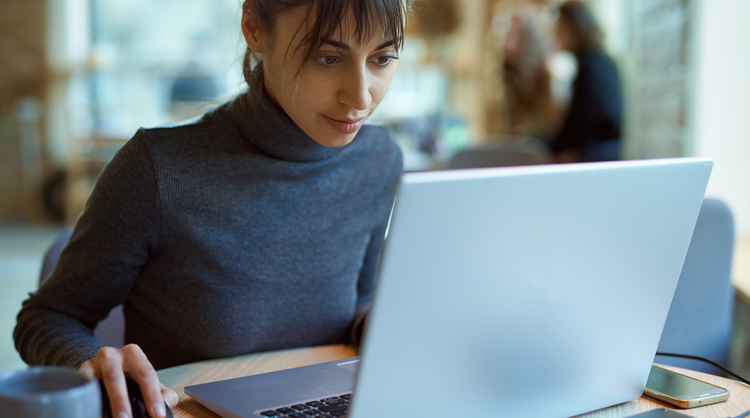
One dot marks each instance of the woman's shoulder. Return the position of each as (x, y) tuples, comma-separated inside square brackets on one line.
[(209, 131), (596, 60), (185, 129)]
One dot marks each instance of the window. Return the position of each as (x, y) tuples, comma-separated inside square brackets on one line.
[(153, 62)]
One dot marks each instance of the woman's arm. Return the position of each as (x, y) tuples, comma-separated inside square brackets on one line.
[(364, 287), (111, 242)]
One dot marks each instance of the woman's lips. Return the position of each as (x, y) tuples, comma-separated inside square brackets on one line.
[(345, 126)]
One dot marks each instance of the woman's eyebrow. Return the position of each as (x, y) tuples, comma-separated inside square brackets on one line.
[(337, 44), (385, 45), (348, 48)]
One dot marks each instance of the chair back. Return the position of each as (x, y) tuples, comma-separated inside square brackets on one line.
[(700, 318), (53, 254), (110, 330), (512, 152)]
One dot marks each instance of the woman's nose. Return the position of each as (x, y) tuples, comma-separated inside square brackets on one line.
[(355, 89)]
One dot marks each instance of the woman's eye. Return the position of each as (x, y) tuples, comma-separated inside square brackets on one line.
[(327, 59), (385, 60)]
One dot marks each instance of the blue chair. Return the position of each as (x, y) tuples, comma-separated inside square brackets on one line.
[(700, 318), (110, 330)]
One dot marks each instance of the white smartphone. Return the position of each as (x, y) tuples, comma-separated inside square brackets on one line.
[(682, 391)]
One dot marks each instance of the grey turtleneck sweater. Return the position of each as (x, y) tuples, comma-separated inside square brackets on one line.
[(231, 234)]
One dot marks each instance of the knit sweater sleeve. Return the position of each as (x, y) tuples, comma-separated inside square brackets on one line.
[(112, 240), (364, 286)]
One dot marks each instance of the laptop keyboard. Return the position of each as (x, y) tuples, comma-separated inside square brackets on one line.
[(334, 407)]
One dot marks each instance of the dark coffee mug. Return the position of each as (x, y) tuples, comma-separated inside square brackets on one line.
[(50, 391)]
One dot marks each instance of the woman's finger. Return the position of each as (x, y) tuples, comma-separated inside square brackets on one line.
[(169, 396), (109, 363), (88, 369), (143, 373)]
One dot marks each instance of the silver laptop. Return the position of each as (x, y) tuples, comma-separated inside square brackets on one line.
[(535, 291)]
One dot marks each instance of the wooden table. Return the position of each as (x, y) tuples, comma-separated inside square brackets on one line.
[(208, 371)]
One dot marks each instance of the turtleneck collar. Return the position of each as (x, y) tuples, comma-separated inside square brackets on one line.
[(264, 124)]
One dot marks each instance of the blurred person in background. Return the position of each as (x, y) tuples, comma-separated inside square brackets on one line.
[(255, 227), (532, 108), (592, 127)]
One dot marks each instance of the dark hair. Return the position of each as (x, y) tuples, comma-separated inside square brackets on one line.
[(586, 32), (389, 16)]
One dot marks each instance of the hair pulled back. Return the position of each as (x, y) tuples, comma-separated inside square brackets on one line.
[(587, 34), (324, 18)]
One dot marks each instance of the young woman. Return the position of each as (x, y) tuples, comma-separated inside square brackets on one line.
[(532, 108), (255, 228), (592, 127)]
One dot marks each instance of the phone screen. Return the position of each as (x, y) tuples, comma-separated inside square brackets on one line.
[(678, 386)]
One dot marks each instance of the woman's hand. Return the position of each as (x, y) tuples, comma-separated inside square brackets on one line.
[(110, 365)]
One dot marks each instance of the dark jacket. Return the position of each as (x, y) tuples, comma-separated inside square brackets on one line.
[(592, 126)]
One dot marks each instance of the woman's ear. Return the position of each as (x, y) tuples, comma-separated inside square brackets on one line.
[(254, 36)]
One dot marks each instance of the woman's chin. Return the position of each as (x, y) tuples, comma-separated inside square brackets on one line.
[(335, 139)]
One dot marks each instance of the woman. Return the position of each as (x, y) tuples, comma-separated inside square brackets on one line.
[(591, 130), (255, 228), (533, 110)]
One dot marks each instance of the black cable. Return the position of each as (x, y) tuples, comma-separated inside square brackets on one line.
[(687, 356), (718, 366)]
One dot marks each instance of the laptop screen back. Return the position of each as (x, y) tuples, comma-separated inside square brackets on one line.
[(532, 291)]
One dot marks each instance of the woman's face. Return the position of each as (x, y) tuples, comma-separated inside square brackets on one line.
[(514, 41), (338, 88)]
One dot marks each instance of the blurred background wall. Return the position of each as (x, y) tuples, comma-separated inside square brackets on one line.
[(78, 77), (721, 100), (23, 84)]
